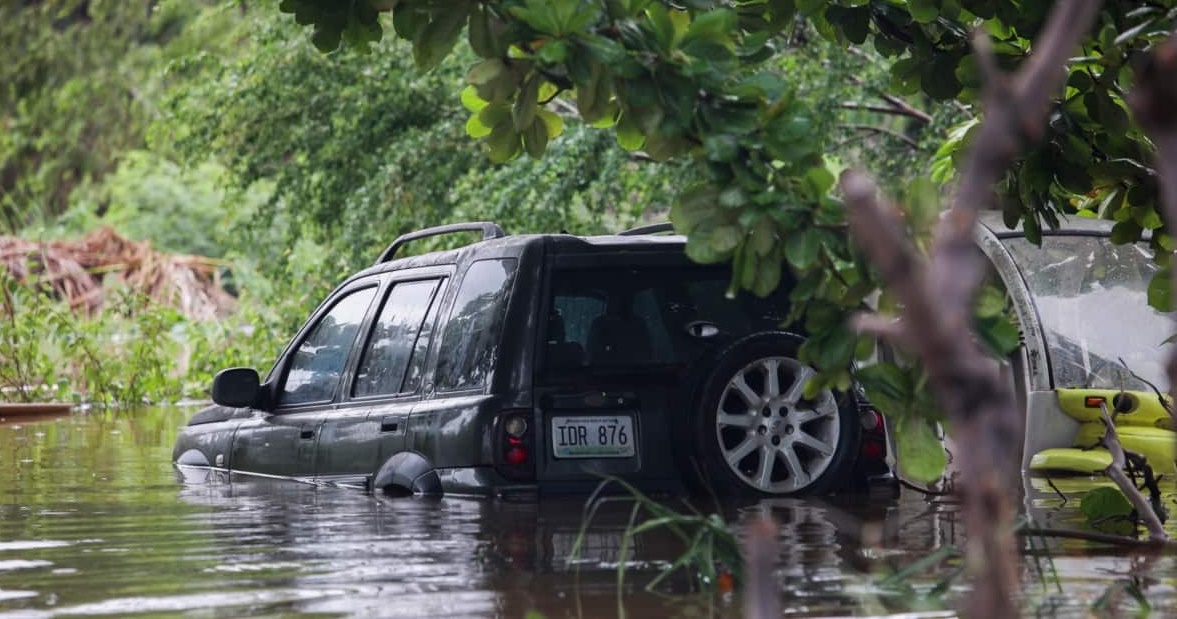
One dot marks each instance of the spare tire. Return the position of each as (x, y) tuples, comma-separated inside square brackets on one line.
[(757, 435)]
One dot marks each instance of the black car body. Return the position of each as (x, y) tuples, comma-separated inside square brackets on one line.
[(529, 365)]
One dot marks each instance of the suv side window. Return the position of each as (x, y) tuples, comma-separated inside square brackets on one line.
[(318, 361), (393, 340), (471, 339)]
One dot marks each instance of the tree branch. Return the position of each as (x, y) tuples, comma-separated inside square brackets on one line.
[(937, 299), (881, 130), (1115, 470), (898, 107), (1154, 103), (1015, 111)]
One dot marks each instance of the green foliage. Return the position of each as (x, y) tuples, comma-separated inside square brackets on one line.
[(711, 548), (901, 393), (1092, 159), (121, 356), (80, 87), (130, 353), (183, 210)]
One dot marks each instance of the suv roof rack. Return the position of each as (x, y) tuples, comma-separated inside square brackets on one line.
[(663, 226), (489, 230)]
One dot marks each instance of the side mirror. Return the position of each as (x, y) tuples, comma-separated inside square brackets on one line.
[(236, 387)]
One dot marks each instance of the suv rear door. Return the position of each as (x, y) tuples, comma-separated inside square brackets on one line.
[(617, 360)]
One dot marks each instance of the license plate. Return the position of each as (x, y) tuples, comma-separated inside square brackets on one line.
[(593, 437)]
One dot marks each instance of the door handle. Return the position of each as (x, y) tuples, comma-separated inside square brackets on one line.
[(306, 433), (389, 425)]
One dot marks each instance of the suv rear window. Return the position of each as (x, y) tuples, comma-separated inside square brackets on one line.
[(471, 339), (623, 316)]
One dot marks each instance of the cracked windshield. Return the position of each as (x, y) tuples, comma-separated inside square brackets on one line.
[(550, 309), (1092, 298)]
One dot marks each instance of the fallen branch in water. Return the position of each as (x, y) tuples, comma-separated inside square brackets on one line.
[(1115, 471)]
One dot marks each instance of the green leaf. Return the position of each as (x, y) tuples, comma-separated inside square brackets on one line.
[(1080, 80), (723, 147), (1104, 503), (693, 206), (833, 349), (471, 101), (493, 115), (938, 78), (767, 277), (552, 122), (475, 128), (924, 11), (482, 40), (504, 142), (408, 18), (920, 454), (1032, 229), (435, 39), (494, 80), (716, 25), (802, 247), (538, 14), (818, 181), (700, 250), (629, 134), (990, 301), (535, 138), (526, 105), (762, 237), (726, 238), (1160, 291), (1126, 231), (999, 334)]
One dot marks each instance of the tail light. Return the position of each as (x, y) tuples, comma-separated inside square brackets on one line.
[(872, 420), (874, 435), (514, 445)]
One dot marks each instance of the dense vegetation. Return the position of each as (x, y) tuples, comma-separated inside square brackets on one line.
[(217, 129)]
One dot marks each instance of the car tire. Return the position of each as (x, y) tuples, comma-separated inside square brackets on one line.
[(751, 411)]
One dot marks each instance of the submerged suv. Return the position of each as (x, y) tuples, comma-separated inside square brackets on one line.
[(527, 365)]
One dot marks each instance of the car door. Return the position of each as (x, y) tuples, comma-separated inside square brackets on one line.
[(372, 422), (282, 442)]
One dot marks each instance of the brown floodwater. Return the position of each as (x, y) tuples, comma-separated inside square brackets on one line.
[(94, 521)]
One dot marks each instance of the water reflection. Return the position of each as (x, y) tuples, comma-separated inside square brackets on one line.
[(93, 521)]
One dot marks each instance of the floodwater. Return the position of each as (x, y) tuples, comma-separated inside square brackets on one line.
[(95, 522)]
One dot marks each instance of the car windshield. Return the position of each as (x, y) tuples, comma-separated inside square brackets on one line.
[(1092, 300)]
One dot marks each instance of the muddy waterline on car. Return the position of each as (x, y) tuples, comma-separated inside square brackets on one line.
[(94, 521)]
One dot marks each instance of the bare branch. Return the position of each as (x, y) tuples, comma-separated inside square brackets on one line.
[(881, 326), (1115, 470), (896, 107), (884, 131)]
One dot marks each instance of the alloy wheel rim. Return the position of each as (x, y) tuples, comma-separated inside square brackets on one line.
[(770, 436)]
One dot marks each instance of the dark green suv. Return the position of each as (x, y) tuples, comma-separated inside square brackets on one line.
[(528, 365)]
